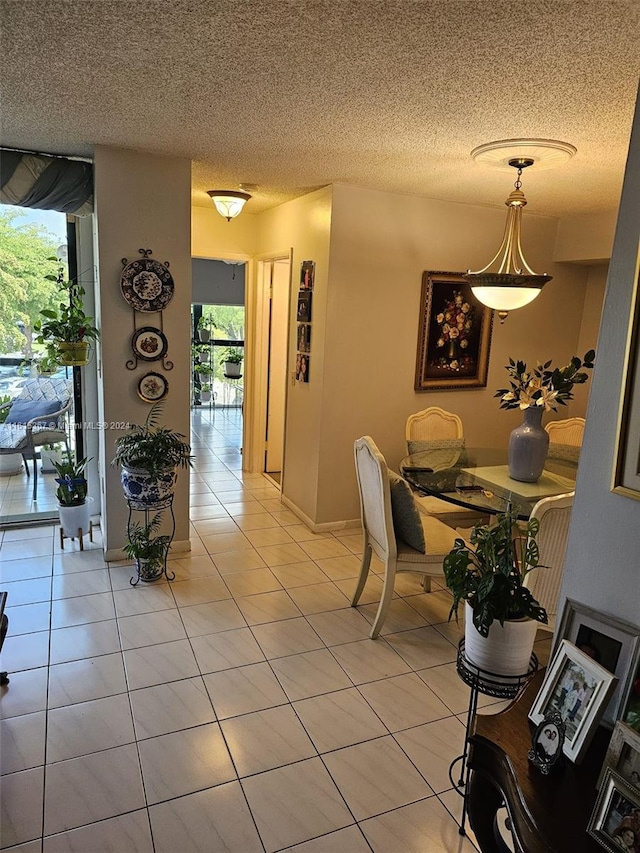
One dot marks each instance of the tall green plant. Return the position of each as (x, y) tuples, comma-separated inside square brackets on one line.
[(153, 448), (72, 484)]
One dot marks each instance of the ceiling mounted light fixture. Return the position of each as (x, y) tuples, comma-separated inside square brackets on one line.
[(229, 203), (513, 284)]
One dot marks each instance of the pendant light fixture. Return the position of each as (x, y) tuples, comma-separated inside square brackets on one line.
[(228, 203), (512, 283)]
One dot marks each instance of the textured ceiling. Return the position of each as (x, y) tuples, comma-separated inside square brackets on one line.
[(290, 95)]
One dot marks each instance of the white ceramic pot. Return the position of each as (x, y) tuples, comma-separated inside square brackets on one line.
[(149, 570), (231, 368), (10, 463), (75, 518), (507, 649), (142, 492), (204, 335), (205, 396)]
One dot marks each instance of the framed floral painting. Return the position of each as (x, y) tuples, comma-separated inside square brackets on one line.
[(454, 335)]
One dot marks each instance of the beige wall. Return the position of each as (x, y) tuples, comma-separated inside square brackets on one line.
[(586, 237), (601, 567), (213, 237), (141, 201), (380, 245)]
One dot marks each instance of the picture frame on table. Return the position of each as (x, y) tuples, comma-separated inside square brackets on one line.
[(615, 820), (611, 642), (623, 755), (547, 743), (578, 689), (626, 473), (454, 335)]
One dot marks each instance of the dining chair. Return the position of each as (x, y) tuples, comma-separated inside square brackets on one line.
[(432, 425), (36, 416), (403, 538), (568, 432), (554, 515)]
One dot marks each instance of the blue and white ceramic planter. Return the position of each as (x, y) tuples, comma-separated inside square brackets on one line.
[(144, 493)]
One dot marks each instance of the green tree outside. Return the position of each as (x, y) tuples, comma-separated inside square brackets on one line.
[(25, 261)]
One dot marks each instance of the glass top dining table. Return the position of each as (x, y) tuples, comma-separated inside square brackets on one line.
[(478, 477)]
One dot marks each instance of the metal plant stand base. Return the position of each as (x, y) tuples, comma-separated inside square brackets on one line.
[(490, 684), (167, 504)]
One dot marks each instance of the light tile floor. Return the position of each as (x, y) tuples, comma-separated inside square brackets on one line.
[(240, 708)]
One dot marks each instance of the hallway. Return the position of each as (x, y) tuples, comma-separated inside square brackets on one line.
[(240, 708)]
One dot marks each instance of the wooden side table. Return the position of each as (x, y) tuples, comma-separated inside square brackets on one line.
[(547, 814)]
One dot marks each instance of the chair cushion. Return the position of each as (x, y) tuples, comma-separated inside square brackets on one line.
[(407, 522), (22, 411), (418, 445)]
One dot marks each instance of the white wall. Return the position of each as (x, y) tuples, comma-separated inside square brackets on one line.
[(141, 201), (601, 567)]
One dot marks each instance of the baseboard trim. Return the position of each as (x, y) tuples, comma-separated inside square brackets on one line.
[(323, 527), (182, 546)]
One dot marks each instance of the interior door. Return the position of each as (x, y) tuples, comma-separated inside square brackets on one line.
[(277, 373)]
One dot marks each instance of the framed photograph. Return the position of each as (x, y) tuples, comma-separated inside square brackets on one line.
[(548, 740), (615, 820), (612, 643), (307, 275), (302, 367), (577, 688), (454, 335), (304, 337), (304, 306), (626, 475), (623, 755)]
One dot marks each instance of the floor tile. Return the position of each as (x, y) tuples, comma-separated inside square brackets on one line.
[(309, 674), (238, 561), (349, 840), (25, 693), (89, 727), (29, 618), (91, 788), (127, 832), (199, 591), (256, 521), (287, 638), (375, 777), (339, 719), (340, 626), (218, 543), (267, 607), (403, 701), (28, 591), (25, 549), (216, 819), (143, 599), (422, 826), (423, 647), (17, 570), (251, 582), (340, 566), (371, 594), (295, 803), (280, 555), (432, 748), (162, 626), (211, 618), (22, 742), (448, 686), (319, 597), (81, 583), (83, 680), (193, 566), (78, 561), (167, 708), (433, 606), (184, 762), (159, 664), (369, 660), (299, 574), (21, 806), (82, 610), (84, 641), (227, 649), (400, 616), (266, 739), (243, 690), (26, 651)]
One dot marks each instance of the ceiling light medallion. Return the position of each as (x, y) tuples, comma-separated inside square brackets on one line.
[(513, 283), (228, 203)]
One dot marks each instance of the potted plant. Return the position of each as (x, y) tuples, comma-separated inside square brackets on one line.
[(149, 455), (67, 330), (535, 392), (74, 506), (232, 359), (205, 392), (205, 324), (501, 614), (147, 552), (46, 363)]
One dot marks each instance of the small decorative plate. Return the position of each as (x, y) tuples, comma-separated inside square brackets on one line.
[(147, 285), (149, 344), (153, 387)]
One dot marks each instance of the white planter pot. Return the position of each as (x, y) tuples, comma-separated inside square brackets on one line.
[(10, 463), (142, 492), (204, 335), (507, 649), (75, 518), (231, 368), (204, 357), (47, 458), (205, 396), (149, 570)]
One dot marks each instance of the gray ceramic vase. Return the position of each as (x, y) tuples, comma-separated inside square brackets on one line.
[(528, 447)]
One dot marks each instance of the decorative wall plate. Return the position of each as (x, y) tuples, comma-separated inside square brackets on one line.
[(149, 344), (147, 285), (152, 387)]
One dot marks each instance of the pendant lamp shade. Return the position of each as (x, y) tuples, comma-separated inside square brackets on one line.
[(228, 203)]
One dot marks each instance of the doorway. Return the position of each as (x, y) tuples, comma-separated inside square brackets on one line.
[(276, 279)]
